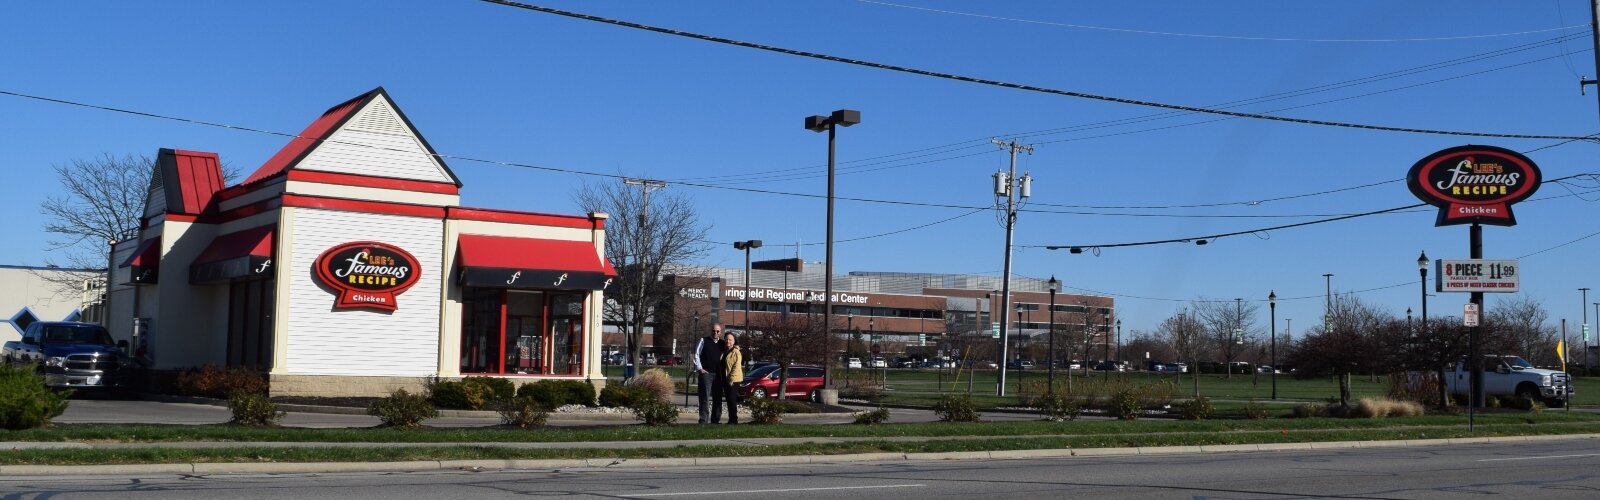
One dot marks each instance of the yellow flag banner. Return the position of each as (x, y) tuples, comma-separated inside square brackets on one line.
[(1561, 352)]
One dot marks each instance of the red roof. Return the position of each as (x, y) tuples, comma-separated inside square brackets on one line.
[(315, 133), (256, 241), (189, 179), (532, 253)]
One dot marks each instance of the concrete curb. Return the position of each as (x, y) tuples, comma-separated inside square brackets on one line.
[(431, 465)]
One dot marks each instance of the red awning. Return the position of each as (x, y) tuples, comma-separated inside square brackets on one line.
[(144, 262), (235, 255), (532, 263)]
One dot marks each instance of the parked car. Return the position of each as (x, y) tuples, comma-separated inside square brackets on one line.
[(879, 363), (982, 365), (1108, 366), (70, 354), (805, 382), (1020, 364), (852, 363)]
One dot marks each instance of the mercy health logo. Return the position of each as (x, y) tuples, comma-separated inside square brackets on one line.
[(1474, 184), (367, 274)]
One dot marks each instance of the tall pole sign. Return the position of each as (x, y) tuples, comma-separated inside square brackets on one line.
[(1474, 185)]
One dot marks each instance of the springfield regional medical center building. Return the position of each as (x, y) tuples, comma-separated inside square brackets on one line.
[(345, 266)]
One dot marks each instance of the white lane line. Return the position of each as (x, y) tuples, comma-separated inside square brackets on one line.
[(771, 491), (1536, 458)]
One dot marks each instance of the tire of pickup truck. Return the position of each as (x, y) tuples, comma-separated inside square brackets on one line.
[(1527, 390)]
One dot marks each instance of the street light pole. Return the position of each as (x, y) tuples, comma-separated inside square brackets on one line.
[(1272, 307), (746, 246), (830, 123), (1585, 326), (1327, 307), (1055, 286)]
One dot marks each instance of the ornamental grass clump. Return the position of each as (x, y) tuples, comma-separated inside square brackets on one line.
[(1380, 408), (657, 382), (872, 417)]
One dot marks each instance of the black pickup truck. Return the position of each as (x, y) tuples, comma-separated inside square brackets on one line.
[(70, 355)]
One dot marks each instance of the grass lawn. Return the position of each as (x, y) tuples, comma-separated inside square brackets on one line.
[(990, 436)]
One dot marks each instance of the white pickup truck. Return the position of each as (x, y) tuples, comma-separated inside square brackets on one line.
[(1512, 376)]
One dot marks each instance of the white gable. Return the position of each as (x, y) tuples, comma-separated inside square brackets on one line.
[(378, 143)]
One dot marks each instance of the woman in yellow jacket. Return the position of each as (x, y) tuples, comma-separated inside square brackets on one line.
[(727, 384)]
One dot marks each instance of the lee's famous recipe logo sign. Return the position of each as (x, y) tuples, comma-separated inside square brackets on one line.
[(1474, 184), (367, 274)]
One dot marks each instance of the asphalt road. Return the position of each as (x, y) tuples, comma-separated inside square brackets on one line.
[(83, 411), (1515, 470)]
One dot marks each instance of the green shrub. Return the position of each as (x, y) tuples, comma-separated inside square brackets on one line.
[(402, 410), (254, 410), (212, 381), (25, 402), (955, 408), (459, 395), (622, 395), (1196, 409), (766, 411), (872, 417), (558, 393), (1058, 407), (1308, 410), (522, 412), (655, 411), (499, 389), (1126, 401), (1255, 410)]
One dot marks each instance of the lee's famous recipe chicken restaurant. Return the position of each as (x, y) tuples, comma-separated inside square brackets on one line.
[(345, 266)]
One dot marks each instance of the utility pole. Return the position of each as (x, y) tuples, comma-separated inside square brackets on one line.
[(1007, 184), (643, 256)]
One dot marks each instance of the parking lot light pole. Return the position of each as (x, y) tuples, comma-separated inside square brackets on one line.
[(746, 246), (1272, 308), (830, 123)]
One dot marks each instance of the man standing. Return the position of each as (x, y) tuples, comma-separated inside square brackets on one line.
[(708, 364), (727, 388)]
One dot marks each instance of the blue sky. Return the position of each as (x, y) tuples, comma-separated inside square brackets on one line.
[(492, 82)]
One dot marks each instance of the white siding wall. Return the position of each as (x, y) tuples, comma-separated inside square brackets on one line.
[(323, 341), (376, 142)]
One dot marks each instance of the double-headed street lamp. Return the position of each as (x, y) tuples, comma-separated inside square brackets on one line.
[(746, 246), (830, 123)]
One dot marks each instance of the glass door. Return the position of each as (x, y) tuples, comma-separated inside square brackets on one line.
[(525, 347)]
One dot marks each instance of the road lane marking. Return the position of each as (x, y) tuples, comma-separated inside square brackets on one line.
[(1536, 458), (770, 491)]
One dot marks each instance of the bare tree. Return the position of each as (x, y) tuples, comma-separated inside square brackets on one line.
[(1229, 325), (1141, 342), (1188, 340), (1357, 339), (646, 232), (786, 339), (101, 202), (1520, 324)]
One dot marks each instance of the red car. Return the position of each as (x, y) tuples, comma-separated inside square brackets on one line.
[(805, 382)]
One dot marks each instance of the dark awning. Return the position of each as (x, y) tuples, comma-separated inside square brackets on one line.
[(144, 265), (532, 263), (241, 254)]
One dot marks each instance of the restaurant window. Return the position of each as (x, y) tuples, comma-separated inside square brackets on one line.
[(516, 332)]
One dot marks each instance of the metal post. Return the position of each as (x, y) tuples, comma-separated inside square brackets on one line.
[(1586, 326), (1051, 379), (1272, 307), (1474, 342)]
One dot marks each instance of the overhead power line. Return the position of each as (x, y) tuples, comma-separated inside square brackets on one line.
[(1220, 37), (1017, 86)]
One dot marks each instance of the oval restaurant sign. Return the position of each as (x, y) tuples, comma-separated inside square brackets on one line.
[(1474, 184), (367, 274)]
